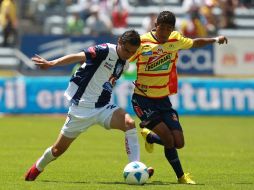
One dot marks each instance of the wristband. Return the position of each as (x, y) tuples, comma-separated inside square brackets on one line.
[(217, 39)]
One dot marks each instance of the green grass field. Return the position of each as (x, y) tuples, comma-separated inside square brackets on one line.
[(219, 153)]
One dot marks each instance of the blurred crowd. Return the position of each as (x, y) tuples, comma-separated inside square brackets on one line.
[(97, 17), (205, 17), (8, 22)]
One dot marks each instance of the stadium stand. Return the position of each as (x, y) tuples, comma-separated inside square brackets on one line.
[(13, 59), (8, 59), (243, 17), (52, 21)]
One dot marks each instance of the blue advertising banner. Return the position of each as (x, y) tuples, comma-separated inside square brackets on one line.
[(33, 95), (195, 96), (196, 61), (50, 47)]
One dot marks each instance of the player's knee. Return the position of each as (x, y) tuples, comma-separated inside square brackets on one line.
[(178, 139), (179, 145), (130, 124), (168, 143), (56, 152)]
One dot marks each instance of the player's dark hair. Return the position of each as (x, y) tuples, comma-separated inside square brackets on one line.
[(132, 37), (166, 17)]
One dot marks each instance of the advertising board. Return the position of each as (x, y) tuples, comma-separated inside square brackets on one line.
[(195, 96)]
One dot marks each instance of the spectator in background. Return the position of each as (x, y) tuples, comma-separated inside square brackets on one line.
[(119, 14), (97, 23), (148, 22), (75, 25), (8, 22), (194, 25), (228, 9), (211, 21), (246, 3), (84, 6)]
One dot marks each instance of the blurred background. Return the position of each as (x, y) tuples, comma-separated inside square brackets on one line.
[(215, 80)]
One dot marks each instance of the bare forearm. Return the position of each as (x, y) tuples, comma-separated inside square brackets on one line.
[(68, 59), (200, 42)]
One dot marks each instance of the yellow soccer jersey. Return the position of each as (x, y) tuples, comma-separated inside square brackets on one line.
[(156, 64)]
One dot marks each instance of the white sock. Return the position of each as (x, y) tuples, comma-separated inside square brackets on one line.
[(45, 159), (132, 145)]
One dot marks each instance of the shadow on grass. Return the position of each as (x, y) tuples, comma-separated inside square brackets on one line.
[(170, 183), (244, 183), (153, 183), (74, 182)]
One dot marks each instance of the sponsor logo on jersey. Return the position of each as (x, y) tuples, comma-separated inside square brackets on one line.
[(108, 65), (147, 53), (159, 63)]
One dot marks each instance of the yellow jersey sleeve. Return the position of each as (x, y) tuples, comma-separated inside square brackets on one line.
[(136, 55), (182, 41)]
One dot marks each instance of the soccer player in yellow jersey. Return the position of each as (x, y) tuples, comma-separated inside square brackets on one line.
[(156, 61)]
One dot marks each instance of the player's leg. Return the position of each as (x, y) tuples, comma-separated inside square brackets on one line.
[(117, 118), (152, 114), (123, 121), (145, 110), (171, 120), (64, 140), (170, 151), (50, 154)]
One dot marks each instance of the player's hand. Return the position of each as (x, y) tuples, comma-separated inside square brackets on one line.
[(41, 62), (222, 40)]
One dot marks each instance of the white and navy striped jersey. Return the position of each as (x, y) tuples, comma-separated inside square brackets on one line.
[(91, 85)]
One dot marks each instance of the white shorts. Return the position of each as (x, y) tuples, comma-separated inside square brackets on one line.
[(79, 119)]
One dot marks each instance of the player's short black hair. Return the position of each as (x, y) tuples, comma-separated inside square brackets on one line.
[(132, 37), (166, 17)]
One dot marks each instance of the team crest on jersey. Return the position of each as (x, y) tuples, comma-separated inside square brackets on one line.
[(160, 50), (159, 63)]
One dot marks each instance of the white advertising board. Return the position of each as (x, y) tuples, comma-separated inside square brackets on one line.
[(235, 58)]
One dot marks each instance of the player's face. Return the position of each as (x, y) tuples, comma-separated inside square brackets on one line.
[(163, 31), (125, 51)]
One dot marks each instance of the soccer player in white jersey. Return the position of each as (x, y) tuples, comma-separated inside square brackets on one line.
[(89, 93)]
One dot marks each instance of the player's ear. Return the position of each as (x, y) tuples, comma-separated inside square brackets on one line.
[(120, 41)]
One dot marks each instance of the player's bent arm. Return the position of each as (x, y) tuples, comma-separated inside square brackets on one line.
[(200, 42), (69, 59), (65, 60)]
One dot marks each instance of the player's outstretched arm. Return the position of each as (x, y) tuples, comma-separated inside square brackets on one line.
[(200, 42), (67, 59)]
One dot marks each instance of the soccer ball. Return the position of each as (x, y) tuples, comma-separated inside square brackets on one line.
[(135, 173)]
